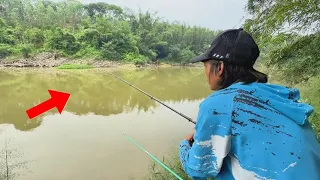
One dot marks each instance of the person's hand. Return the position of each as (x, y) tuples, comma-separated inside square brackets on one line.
[(190, 139)]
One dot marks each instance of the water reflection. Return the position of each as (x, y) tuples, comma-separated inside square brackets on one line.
[(95, 91), (89, 146), (86, 141)]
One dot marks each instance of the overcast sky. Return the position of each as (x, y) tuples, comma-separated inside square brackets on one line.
[(214, 14)]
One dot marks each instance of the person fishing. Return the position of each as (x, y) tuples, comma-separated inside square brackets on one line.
[(248, 129)]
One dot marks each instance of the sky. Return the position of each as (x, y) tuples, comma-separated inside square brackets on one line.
[(213, 14)]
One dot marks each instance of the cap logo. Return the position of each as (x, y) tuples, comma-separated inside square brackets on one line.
[(217, 56)]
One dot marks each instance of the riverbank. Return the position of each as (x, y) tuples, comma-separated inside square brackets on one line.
[(49, 60)]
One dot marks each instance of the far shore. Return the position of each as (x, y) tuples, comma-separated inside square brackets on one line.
[(48, 60)]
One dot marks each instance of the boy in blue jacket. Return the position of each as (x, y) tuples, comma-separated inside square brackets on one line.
[(248, 129)]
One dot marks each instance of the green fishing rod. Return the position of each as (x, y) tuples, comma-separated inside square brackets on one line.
[(154, 158), (186, 117)]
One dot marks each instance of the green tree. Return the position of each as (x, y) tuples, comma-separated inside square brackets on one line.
[(273, 16), (287, 32)]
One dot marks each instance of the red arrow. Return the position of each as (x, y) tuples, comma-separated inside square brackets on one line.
[(58, 100)]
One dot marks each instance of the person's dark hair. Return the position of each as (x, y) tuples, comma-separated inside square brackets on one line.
[(236, 73)]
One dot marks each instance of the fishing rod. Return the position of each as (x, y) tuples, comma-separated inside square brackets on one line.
[(154, 158), (188, 118)]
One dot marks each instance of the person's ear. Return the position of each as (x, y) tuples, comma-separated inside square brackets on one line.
[(221, 68)]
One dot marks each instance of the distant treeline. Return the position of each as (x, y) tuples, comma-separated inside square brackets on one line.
[(96, 30)]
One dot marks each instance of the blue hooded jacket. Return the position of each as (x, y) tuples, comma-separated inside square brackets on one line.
[(254, 131)]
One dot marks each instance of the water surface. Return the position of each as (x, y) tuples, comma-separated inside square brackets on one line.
[(86, 141)]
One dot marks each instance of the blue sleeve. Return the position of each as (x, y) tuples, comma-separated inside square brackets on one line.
[(212, 142)]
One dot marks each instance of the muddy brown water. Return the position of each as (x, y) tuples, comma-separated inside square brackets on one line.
[(86, 140)]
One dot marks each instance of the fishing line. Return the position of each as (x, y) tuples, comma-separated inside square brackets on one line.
[(186, 117), (154, 158)]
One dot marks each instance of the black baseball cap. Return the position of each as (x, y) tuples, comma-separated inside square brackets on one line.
[(234, 46)]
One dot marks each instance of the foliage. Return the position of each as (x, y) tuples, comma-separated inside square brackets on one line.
[(5, 50), (25, 50), (288, 34), (298, 60), (272, 16), (87, 51), (96, 30), (182, 56), (135, 58), (65, 42)]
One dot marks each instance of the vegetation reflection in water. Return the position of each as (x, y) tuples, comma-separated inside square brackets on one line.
[(95, 91)]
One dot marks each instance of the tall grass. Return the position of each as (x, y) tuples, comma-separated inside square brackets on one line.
[(156, 172)]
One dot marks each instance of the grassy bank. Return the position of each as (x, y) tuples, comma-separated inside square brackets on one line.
[(156, 172), (75, 66)]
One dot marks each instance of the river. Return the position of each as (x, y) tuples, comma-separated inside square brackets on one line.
[(86, 141)]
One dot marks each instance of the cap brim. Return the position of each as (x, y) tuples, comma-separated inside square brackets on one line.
[(200, 58)]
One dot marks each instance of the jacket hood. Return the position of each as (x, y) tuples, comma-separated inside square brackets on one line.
[(284, 100)]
